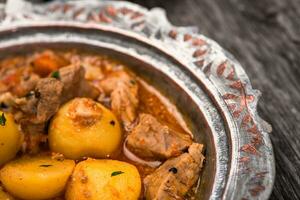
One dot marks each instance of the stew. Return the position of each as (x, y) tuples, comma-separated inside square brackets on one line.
[(83, 126)]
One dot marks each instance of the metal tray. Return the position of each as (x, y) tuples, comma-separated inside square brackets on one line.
[(205, 82)]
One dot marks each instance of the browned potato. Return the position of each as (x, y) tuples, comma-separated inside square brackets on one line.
[(104, 180), (36, 177), (10, 137), (83, 127)]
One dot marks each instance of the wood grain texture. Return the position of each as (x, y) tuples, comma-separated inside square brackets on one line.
[(264, 35)]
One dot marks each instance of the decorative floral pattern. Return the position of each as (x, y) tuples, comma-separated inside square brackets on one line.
[(240, 99), (221, 69)]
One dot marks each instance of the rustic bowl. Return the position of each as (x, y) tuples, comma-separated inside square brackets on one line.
[(205, 82)]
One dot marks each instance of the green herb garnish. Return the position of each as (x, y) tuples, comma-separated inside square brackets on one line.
[(55, 74), (2, 120), (116, 173), (45, 165)]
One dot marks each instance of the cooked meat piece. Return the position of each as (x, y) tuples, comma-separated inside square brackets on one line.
[(26, 106), (46, 62), (176, 176), (123, 90), (151, 139), (33, 137), (74, 83), (42, 103), (87, 90), (49, 92), (34, 110), (92, 66), (113, 79), (71, 77), (6, 101), (124, 103)]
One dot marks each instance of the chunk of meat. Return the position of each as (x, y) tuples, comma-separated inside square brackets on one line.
[(6, 101), (49, 92), (176, 176), (36, 109), (75, 84), (26, 107), (150, 139), (42, 103), (34, 135), (115, 78), (93, 67), (46, 62), (123, 90), (124, 103)]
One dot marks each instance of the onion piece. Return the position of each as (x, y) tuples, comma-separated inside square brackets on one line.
[(131, 156)]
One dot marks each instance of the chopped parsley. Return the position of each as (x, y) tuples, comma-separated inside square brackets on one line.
[(45, 165), (116, 173), (2, 120), (173, 170), (55, 74)]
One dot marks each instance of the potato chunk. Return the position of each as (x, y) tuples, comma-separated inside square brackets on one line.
[(10, 137), (36, 177), (83, 127), (104, 180)]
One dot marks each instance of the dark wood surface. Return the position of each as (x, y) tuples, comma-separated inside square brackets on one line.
[(264, 35)]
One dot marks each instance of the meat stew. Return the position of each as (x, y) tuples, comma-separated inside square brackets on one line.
[(83, 126)]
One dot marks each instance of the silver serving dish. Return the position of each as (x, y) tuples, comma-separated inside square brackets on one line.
[(206, 83)]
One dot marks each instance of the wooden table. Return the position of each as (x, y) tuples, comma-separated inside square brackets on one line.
[(264, 35)]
